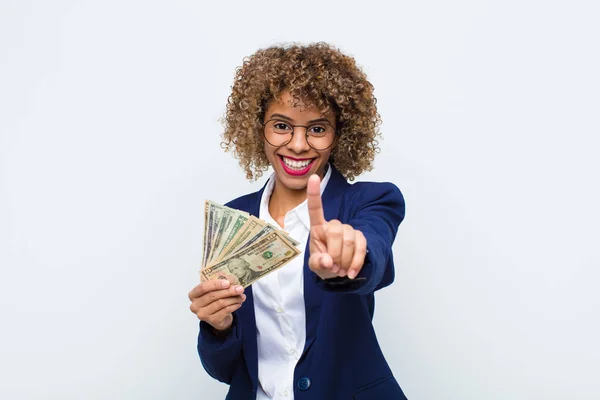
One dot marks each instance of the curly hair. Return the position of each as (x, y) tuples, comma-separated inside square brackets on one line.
[(317, 74)]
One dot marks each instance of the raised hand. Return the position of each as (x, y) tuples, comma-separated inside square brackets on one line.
[(336, 249), (214, 301)]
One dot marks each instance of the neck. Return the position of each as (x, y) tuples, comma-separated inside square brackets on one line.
[(284, 199)]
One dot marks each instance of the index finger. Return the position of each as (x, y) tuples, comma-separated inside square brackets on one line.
[(313, 198), (208, 286)]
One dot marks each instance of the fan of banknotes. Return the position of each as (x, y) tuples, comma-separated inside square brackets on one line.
[(240, 247)]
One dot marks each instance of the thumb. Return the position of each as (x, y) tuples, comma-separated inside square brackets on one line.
[(318, 261)]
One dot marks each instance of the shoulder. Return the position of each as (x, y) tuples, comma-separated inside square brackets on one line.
[(362, 191), (367, 192), (373, 201), (246, 202)]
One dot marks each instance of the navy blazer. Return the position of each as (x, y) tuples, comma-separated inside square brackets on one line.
[(341, 358)]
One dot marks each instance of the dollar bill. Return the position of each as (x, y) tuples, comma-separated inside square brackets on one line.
[(253, 262), (209, 228), (288, 237), (221, 226), (231, 233), (204, 243), (225, 218), (248, 230), (266, 230)]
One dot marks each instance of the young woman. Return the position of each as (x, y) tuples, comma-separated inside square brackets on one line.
[(305, 331)]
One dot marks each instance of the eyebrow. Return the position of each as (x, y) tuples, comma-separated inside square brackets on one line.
[(312, 121)]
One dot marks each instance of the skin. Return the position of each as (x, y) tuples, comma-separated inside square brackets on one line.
[(215, 301), (336, 249)]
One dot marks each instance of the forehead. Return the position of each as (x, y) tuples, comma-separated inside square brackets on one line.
[(297, 109)]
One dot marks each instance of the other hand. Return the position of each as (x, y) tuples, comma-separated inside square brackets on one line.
[(336, 249)]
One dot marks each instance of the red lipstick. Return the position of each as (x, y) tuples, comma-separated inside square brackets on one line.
[(295, 172)]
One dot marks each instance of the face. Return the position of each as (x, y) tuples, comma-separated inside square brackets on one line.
[(237, 267), (296, 161)]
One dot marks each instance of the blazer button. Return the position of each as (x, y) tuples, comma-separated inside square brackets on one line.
[(303, 383)]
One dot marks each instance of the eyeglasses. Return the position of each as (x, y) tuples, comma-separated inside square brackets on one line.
[(319, 136)]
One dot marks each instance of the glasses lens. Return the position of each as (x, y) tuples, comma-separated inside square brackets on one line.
[(278, 133), (321, 136)]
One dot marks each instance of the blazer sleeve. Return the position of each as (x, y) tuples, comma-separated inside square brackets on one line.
[(376, 209), (220, 355)]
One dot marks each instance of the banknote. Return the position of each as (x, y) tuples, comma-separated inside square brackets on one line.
[(226, 218), (209, 227), (245, 266), (219, 221), (268, 228), (205, 242), (231, 233), (247, 232)]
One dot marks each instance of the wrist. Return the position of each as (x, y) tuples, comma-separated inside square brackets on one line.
[(222, 332)]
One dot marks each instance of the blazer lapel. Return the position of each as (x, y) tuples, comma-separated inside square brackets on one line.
[(313, 296)]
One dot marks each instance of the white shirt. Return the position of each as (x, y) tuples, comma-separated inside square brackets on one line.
[(279, 307)]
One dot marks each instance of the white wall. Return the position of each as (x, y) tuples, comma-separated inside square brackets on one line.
[(109, 143)]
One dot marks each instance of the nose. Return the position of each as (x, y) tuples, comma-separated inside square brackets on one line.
[(299, 142)]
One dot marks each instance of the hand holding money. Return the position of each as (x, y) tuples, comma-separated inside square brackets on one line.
[(241, 248), (336, 249), (215, 301)]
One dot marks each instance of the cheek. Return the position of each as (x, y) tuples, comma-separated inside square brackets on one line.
[(270, 153), (325, 156)]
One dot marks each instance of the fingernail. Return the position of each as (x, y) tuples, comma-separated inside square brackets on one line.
[(239, 289), (225, 283), (243, 297), (352, 274), (335, 268)]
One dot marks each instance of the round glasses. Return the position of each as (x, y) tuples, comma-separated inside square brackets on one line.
[(319, 136)]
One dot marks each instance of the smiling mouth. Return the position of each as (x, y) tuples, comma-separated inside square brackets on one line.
[(296, 167), (296, 164)]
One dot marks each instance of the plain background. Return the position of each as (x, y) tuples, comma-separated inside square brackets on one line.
[(109, 144)]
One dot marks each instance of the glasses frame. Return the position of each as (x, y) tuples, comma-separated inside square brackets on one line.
[(306, 134)]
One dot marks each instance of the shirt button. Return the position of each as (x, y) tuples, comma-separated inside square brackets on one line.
[(279, 309), (292, 351), (303, 383)]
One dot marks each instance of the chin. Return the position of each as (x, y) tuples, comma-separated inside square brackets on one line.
[(293, 183)]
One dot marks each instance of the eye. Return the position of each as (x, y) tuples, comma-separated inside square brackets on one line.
[(317, 130), (279, 126)]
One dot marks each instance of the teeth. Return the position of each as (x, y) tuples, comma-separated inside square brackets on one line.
[(293, 164)]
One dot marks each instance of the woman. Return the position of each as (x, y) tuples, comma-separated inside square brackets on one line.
[(305, 330)]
